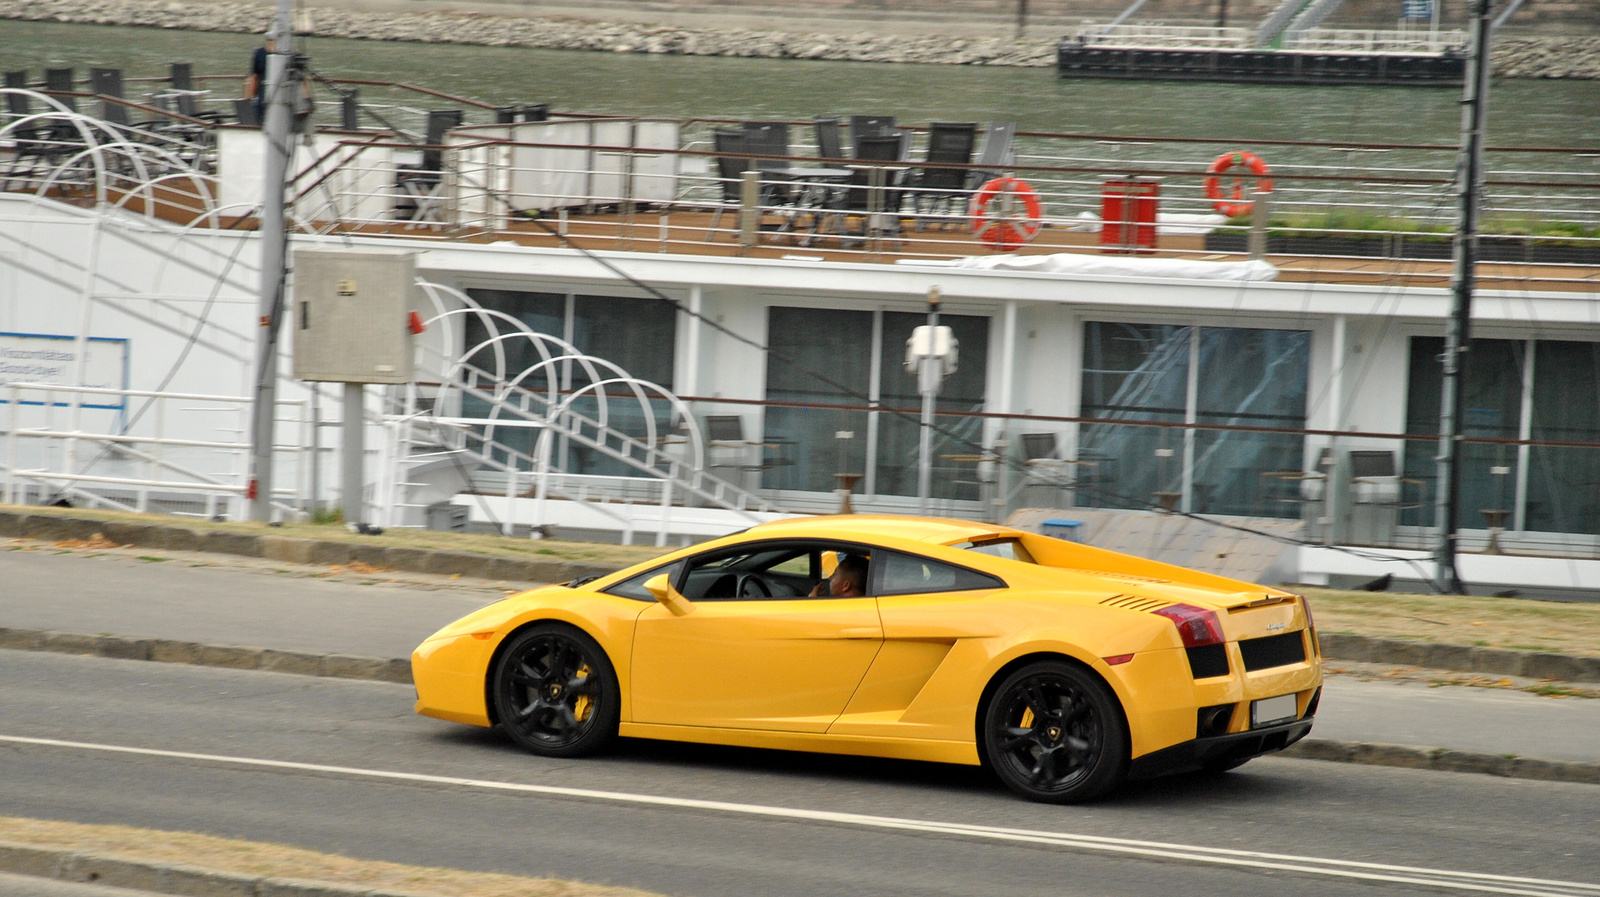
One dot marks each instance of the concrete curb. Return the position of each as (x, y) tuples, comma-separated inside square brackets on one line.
[(233, 657), (1444, 760), (1460, 658), (295, 550), (164, 878)]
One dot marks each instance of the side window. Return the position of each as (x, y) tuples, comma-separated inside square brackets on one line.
[(633, 586), (905, 574), (778, 569)]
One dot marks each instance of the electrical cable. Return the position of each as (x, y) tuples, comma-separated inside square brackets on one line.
[(1014, 464)]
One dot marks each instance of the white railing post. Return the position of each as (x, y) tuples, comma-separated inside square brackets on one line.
[(666, 512), (11, 446)]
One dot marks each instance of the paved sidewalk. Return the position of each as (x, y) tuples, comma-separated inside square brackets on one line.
[(269, 604), (30, 886)]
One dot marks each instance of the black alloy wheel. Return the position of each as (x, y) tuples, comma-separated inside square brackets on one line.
[(1054, 732), (556, 693)]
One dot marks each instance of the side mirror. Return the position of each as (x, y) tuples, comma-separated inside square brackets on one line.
[(660, 586)]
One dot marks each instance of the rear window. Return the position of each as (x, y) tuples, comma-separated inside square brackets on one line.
[(905, 574)]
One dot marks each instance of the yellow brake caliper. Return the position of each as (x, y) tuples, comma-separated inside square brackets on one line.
[(581, 707)]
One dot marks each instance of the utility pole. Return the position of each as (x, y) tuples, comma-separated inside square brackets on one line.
[(1222, 13), (1458, 330), (275, 130), (928, 377)]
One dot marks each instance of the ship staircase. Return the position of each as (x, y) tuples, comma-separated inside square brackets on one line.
[(487, 420), (1313, 14)]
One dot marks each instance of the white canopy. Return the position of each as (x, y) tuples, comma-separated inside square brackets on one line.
[(1109, 266)]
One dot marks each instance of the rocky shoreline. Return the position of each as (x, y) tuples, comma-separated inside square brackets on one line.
[(1514, 57)]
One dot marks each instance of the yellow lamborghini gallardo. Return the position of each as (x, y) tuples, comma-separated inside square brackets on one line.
[(1064, 668)]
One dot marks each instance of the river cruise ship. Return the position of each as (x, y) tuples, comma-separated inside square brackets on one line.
[(658, 329)]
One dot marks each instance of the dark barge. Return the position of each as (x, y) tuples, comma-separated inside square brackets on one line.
[(1076, 59)]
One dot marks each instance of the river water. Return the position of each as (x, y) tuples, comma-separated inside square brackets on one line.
[(1524, 112)]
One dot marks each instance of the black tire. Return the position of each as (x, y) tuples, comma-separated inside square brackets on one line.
[(1055, 733), (555, 692)]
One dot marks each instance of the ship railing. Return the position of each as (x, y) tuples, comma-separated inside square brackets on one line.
[(656, 189), (137, 450), (1164, 36), (1352, 40)]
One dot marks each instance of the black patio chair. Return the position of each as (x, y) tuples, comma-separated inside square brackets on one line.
[(59, 84), (730, 173), (17, 105), (108, 83), (770, 140), (826, 129), (185, 98), (998, 153), (32, 144), (873, 191), (863, 126), (421, 185), (940, 184)]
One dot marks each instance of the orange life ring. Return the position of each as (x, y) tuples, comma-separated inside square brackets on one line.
[(1009, 226), (1232, 202)]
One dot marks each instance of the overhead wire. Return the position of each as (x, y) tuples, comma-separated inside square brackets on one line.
[(537, 219)]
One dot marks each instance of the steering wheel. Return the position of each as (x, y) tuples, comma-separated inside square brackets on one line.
[(751, 586)]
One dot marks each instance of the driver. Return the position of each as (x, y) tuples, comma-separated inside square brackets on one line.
[(849, 579)]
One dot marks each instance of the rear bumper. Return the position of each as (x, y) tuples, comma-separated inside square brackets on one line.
[(1203, 752)]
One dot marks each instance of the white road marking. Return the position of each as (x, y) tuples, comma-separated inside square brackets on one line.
[(1379, 872)]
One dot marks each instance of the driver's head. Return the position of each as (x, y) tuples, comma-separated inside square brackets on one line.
[(849, 579)]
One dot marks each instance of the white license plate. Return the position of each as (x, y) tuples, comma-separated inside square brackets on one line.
[(1268, 711)]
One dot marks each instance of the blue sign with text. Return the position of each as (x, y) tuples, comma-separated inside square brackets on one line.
[(1416, 9)]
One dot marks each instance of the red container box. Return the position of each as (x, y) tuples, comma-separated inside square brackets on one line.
[(1128, 215)]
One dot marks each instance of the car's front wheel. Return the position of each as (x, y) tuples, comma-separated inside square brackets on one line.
[(556, 693), (1054, 732)]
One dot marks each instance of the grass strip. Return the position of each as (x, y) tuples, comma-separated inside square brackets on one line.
[(281, 861), (1519, 624), (481, 543)]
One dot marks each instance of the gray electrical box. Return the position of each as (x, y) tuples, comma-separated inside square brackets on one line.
[(352, 315)]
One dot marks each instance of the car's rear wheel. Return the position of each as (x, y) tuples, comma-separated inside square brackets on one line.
[(1055, 733), (556, 693)]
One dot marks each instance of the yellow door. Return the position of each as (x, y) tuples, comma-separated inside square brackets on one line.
[(787, 664)]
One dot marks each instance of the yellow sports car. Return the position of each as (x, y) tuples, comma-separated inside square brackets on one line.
[(1065, 668)]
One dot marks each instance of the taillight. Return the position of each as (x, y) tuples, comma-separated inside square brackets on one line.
[(1311, 627), (1196, 625)]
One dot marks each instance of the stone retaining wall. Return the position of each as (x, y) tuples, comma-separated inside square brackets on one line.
[(1522, 57), (328, 552)]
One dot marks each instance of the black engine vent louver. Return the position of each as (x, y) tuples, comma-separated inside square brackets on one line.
[(1273, 651)]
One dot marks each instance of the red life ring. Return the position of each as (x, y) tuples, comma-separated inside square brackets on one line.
[(1232, 202), (1009, 227)]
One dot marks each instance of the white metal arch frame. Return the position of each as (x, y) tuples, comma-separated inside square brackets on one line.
[(596, 369), (509, 394), (111, 157), (507, 384)]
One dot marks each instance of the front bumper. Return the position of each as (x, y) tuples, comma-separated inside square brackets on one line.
[(1203, 752)]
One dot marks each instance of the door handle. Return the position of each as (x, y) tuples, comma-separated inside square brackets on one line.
[(861, 632)]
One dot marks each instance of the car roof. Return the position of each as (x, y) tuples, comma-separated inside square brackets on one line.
[(866, 527)]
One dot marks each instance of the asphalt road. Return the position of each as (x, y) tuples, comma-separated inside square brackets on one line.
[(468, 799), (218, 599)]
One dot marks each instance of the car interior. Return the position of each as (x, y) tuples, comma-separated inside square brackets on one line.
[(788, 571)]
